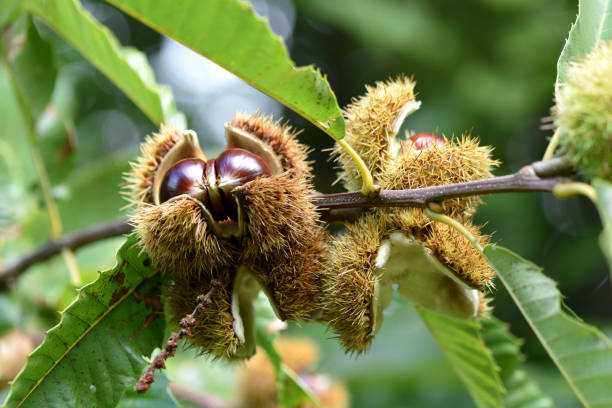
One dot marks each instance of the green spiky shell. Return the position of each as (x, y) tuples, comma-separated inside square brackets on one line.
[(286, 241), (283, 249), (459, 160), (584, 113), (351, 275), (213, 334), (139, 180), (447, 244), (280, 137), (175, 236), (372, 122)]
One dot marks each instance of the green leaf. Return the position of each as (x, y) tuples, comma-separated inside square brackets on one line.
[(9, 10), (158, 396), (125, 67), (35, 69), (292, 391), (521, 391), (95, 352), (593, 24), (461, 342), (581, 352), (231, 35), (604, 205)]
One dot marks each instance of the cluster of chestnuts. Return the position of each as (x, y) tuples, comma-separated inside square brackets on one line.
[(433, 265), (211, 182), (246, 220)]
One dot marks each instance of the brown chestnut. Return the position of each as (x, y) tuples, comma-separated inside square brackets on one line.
[(422, 141), (212, 181), (185, 177)]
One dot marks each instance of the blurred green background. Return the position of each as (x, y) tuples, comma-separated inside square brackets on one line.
[(485, 66)]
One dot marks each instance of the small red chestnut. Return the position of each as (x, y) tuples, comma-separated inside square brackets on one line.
[(422, 141), (212, 181)]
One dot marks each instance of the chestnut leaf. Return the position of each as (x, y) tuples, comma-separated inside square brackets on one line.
[(604, 205), (126, 67), (462, 344), (521, 390), (230, 34), (593, 25), (95, 352), (582, 353), (35, 67)]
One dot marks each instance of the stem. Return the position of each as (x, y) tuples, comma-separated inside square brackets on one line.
[(436, 216), (368, 188), (39, 164), (522, 181), (552, 145), (10, 271), (571, 189), (186, 323), (556, 166)]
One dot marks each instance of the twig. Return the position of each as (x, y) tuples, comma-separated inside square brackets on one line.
[(539, 176), (527, 179), (11, 270), (145, 381)]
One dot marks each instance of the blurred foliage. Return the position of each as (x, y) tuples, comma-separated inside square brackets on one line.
[(485, 66)]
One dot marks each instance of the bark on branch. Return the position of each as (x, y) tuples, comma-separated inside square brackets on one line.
[(10, 270)]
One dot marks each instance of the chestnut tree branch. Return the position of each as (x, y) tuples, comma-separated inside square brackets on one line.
[(538, 176), (10, 270)]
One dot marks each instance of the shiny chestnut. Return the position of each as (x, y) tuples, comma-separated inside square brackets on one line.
[(212, 181), (422, 141)]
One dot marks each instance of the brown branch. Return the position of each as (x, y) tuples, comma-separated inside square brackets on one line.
[(11, 270), (539, 176), (186, 323), (525, 180)]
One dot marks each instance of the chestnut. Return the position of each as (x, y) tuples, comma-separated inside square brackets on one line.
[(185, 177), (212, 181), (422, 141)]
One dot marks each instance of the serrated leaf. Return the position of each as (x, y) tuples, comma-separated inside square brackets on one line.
[(230, 34), (35, 69), (97, 44), (581, 352), (461, 342), (593, 24), (604, 205), (95, 352), (521, 391)]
